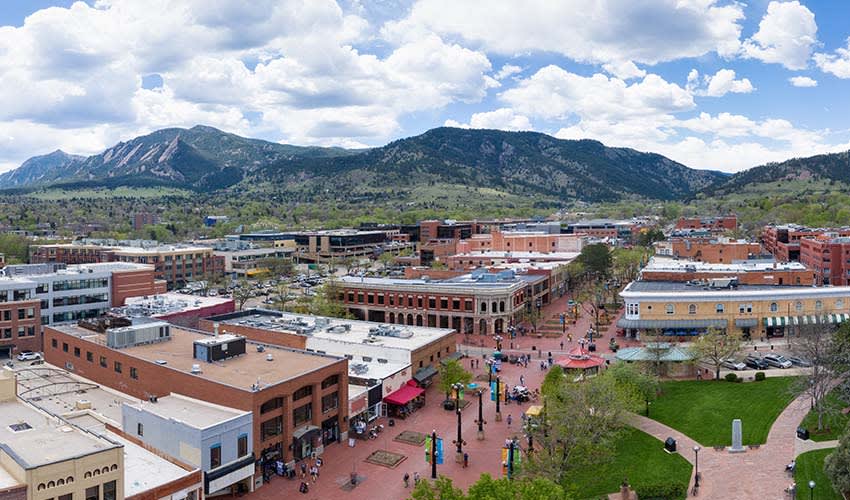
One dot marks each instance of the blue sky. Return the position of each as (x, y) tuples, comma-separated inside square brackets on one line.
[(710, 83)]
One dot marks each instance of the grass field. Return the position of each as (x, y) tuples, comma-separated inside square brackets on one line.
[(835, 422), (704, 409), (810, 467), (640, 458)]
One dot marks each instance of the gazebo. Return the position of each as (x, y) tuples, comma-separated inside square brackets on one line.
[(581, 361)]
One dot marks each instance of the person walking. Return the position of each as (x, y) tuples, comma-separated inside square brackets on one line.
[(562, 345), (314, 473), (406, 479), (522, 380), (465, 460), (415, 478), (303, 470), (510, 419)]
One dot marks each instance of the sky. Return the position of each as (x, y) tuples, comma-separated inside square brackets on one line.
[(713, 84)]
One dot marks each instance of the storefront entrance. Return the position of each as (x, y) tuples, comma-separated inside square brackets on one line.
[(303, 441), (330, 431)]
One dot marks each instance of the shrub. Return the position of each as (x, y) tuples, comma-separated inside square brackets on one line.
[(731, 377), (663, 490), (759, 376)]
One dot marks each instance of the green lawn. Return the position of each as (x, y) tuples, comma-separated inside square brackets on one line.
[(810, 467), (639, 457), (835, 423), (704, 409)]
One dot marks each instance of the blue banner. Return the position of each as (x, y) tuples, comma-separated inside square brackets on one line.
[(492, 391), (439, 451)]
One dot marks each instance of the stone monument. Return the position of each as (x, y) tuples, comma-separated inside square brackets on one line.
[(737, 445)]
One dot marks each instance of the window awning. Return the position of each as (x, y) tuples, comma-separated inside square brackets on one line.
[(806, 320), (304, 431), (457, 355), (424, 374), (671, 323), (404, 395), (746, 322)]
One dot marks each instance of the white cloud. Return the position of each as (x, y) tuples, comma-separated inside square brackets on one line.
[(599, 32), (624, 70), (837, 64), (506, 71), (786, 35), (501, 119), (724, 82), (803, 81)]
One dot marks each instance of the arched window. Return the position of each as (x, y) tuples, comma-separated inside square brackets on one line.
[(798, 306), (87, 475), (818, 305), (501, 306), (69, 479), (104, 470), (692, 308), (113, 467), (418, 320), (774, 307), (60, 482), (483, 307), (51, 484), (41, 486), (669, 309)]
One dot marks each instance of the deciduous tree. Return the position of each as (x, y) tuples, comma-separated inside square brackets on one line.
[(715, 346), (452, 372)]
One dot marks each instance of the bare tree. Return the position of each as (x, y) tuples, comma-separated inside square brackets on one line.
[(817, 345), (715, 346), (241, 294)]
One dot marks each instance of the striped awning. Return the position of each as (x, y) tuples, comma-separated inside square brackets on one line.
[(821, 319)]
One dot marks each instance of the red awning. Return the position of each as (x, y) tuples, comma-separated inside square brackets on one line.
[(578, 358), (404, 395)]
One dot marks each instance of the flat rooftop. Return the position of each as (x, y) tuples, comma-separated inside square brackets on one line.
[(675, 265), (463, 281), (192, 412), (74, 271), (241, 371), (490, 254), (47, 439), (684, 290), (166, 303), (344, 331)]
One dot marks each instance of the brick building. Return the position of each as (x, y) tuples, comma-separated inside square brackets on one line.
[(481, 303), (536, 242), (713, 250), (142, 219), (751, 272), (828, 259), (298, 399), (32, 296), (175, 308), (718, 224), (176, 264)]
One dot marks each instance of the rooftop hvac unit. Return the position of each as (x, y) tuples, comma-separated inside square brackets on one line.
[(269, 357), (218, 348), (196, 369), (133, 335), (161, 362)]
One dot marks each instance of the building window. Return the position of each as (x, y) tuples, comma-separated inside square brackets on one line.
[(93, 493), (444, 303), (134, 373), (818, 305), (632, 309), (77, 352), (798, 306), (109, 490), (302, 392), (69, 496), (330, 402), (215, 456), (774, 307), (271, 427), (332, 380), (692, 308), (140, 429), (53, 343), (419, 302), (64, 347), (117, 366), (381, 299), (302, 414), (719, 308), (242, 445), (271, 404), (103, 361), (669, 308), (839, 303), (745, 308)]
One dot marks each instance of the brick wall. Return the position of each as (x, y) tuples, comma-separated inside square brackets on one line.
[(9, 329), (136, 283), (14, 493), (191, 319), (283, 339)]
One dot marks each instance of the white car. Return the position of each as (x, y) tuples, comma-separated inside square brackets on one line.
[(777, 360), (28, 356)]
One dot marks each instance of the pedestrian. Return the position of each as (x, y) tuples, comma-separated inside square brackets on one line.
[(465, 460), (314, 473), (303, 470), (542, 366), (521, 380), (510, 419), (319, 461), (562, 345), (406, 479), (415, 478), (304, 488)]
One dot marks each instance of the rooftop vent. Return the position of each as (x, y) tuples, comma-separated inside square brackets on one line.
[(196, 369), (161, 362), (19, 427), (269, 357), (385, 330)]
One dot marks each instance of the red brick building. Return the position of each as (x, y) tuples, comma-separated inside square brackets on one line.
[(828, 259), (711, 224), (20, 326), (298, 399), (784, 241), (714, 250), (754, 272)]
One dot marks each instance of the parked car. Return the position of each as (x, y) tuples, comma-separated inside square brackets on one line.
[(756, 362), (28, 356), (777, 360), (733, 364), (798, 361)]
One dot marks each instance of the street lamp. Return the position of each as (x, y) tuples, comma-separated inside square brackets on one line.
[(497, 398), (811, 489), (647, 406), (458, 387), (696, 466), (480, 420)]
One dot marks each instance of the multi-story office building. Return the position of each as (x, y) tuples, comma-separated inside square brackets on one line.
[(677, 308), (176, 264), (239, 263), (536, 242), (716, 224), (142, 219), (294, 396), (709, 249), (478, 303), (32, 296), (604, 228), (828, 258), (334, 245), (215, 439), (784, 241)]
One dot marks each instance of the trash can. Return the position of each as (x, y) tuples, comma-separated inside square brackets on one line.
[(670, 445), (802, 433)]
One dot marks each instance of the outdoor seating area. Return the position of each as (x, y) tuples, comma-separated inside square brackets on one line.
[(405, 401)]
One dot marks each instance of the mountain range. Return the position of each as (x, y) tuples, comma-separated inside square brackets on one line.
[(205, 159)]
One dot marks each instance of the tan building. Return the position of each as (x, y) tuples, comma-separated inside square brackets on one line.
[(44, 457), (686, 309)]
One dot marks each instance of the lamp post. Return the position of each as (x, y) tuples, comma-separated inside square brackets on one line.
[(459, 442), (647, 406), (480, 420), (811, 489), (696, 466), (434, 454), (498, 412), (511, 447)]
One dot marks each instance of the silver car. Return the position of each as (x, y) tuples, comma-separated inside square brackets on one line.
[(777, 360), (733, 364)]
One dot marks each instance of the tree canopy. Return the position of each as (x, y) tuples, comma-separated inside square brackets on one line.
[(488, 488), (452, 372), (597, 259)]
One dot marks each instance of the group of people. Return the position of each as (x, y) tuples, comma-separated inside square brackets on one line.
[(313, 470)]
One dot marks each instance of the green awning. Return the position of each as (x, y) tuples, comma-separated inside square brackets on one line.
[(457, 355), (423, 374)]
